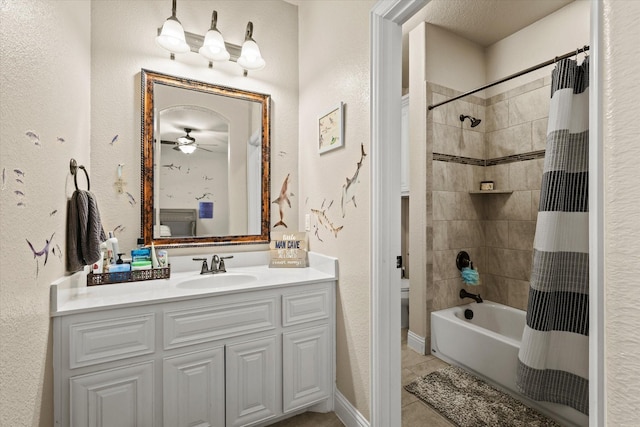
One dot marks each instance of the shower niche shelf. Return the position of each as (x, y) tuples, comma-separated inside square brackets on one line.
[(491, 192)]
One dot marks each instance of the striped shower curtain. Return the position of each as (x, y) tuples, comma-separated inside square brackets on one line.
[(553, 362)]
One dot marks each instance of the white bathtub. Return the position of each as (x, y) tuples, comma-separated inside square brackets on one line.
[(487, 346)]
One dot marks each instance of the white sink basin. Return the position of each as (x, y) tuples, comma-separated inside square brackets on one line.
[(217, 280)]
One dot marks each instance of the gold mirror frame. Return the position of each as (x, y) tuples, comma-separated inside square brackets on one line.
[(149, 79)]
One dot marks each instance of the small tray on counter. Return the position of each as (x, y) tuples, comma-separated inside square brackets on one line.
[(128, 276)]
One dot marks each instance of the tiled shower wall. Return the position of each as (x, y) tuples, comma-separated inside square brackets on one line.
[(497, 230), (456, 216), (516, 123)]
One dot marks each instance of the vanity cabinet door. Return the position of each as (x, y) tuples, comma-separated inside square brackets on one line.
[(251, 372), (193, 389), (121, 397), (307, 367)]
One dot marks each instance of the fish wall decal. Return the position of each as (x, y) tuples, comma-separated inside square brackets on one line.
[(43, 252), (4, 177), (132, 200), (281, 200), (349, 189), (18, 172), (114, 139), (172, 166), (57, 251), (33, 137), (204, 195), (316, 232), (323, 219), (60, 140)]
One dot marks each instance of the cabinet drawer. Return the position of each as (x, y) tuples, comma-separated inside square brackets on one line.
[(305, 307), (106, 340), (193, 326)]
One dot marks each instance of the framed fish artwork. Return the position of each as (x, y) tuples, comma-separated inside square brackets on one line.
[(331, 129)]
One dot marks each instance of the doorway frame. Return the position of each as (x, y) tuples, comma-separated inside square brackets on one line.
[(386, 19)]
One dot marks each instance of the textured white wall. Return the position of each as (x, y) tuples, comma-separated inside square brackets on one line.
[(123, 42), (45, 85), (563, 31), (453, 61), (418, 202), (334, 67), (621, 91)]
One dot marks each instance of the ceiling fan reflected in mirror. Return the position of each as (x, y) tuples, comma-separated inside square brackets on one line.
[(186, 143)]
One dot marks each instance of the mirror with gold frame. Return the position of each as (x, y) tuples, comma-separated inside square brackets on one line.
[(205, 163)]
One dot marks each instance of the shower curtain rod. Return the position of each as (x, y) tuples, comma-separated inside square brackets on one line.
[(513, 76)]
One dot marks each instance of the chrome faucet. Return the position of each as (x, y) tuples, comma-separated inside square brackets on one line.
[(465, 294), (217, 264)]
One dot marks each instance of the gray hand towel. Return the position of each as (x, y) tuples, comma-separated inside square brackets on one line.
[(84, 230)]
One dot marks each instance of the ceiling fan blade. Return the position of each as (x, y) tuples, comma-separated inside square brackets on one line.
[(200, 148)]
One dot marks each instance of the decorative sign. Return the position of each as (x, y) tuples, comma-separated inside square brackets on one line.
[(288, 250)]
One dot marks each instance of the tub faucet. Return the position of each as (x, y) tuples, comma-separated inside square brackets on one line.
[(465, 294)]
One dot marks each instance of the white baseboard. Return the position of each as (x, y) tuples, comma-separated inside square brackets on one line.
[(347, 413), (415, 342)]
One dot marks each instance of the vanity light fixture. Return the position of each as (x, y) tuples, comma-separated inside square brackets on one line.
[(250, 58), (212, 46), (171, 36)]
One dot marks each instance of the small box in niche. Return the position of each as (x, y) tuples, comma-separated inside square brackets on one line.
[(486, 185)]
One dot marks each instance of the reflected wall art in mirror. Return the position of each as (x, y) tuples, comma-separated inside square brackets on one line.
[(205, 163)]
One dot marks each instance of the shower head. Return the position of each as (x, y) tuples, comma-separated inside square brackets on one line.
[(474, 122)]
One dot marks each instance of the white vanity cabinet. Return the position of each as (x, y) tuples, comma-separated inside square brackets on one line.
[(244, 358), (193, 388)]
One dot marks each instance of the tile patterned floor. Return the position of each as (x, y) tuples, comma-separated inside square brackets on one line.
[(414, 412)]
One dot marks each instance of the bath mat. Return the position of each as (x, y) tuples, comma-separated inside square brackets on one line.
[(468, 401)]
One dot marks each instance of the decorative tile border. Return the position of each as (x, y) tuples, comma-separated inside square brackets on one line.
[(532, 155), (458, 159)]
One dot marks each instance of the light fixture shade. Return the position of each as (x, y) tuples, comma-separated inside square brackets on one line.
[(187, 149), (213, 47), (172, 37), (250, 57)]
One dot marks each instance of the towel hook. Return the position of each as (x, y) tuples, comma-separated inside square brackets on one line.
[(73, 167)]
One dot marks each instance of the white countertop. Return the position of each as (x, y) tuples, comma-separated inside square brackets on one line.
[(71, 294)]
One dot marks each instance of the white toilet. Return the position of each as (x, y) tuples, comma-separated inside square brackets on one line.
[(404, 308)]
